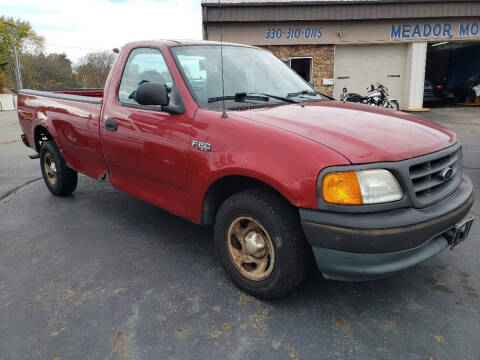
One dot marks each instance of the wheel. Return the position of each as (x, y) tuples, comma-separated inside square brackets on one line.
[(260, 242), (60, 179), (395, 105)]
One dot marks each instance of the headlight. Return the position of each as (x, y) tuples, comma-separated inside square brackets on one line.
[(374, 186)]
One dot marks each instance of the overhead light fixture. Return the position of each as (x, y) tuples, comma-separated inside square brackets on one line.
[(441, 43)]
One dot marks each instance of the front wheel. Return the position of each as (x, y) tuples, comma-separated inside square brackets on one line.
[(261, 244), (393, 104), (59, 178)]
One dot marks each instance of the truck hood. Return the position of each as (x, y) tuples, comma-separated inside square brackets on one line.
[(360, 133)]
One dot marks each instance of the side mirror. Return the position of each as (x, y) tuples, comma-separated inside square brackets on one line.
[(151, 93)]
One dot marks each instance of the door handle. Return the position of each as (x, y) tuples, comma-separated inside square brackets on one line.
[(111, 125)]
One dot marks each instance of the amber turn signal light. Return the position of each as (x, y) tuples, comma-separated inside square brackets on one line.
[(342, 188)]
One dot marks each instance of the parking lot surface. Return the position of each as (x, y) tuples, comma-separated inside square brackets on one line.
[(102, 275)]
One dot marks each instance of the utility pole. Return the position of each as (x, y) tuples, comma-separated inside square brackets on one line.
[(18, 74)]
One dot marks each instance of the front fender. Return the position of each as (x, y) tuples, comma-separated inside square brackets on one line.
[(288, 163)]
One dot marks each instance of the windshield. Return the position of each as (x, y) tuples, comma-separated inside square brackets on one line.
[(247, 71)]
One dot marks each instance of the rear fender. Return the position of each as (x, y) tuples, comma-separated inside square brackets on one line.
[(41, 119)]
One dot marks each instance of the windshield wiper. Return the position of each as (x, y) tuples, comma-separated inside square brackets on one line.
[(239, 97), (286, 99), (303, 92)]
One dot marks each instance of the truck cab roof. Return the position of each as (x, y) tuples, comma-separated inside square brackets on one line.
[(177, 42)]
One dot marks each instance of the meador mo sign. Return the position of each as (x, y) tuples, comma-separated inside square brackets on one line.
[(421, 31)]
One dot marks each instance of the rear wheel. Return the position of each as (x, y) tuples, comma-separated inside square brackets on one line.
[(261, 244), (59, 178)]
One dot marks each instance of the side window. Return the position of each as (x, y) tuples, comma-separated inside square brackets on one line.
[(143, 65)]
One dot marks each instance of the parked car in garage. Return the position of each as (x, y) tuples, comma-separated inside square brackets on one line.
[(284, 174), (433, 94)]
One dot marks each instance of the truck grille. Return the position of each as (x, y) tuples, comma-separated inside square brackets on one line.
[(426, 177), (420, 178)]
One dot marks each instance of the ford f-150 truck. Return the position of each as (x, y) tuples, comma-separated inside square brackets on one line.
[(239, 141)]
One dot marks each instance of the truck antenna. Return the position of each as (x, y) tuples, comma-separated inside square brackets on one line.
[(224, 114)]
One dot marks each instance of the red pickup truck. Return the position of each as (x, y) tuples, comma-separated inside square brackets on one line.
[(286, 175)]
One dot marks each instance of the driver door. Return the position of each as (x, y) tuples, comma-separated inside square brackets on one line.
[(146, 149)]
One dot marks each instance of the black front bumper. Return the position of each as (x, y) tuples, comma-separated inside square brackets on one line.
[(364, 246)]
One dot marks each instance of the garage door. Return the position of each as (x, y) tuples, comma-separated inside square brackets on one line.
[(358, 66)]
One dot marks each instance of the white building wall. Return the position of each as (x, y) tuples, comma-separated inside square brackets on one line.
[(7, 102)]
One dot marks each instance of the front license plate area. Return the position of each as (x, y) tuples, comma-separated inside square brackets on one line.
[(459, 232)]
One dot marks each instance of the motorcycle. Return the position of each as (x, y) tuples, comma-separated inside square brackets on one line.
[(376, 96)]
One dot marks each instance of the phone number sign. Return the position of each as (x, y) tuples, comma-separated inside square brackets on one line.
[(293, 33)]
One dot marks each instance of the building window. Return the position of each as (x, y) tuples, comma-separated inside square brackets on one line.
[(302, 66)]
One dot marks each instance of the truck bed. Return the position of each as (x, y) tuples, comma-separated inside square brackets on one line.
[(93, 96), (72, 117)]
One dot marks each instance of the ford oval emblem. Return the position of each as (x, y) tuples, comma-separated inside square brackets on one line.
[(447, 173)]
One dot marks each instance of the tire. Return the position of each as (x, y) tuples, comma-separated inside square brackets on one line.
[(395, 105), (270, 218), (60, 179)]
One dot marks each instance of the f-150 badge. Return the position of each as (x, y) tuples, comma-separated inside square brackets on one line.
[(202, 146)]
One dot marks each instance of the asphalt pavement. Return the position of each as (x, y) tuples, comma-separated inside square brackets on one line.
[(102, 275)]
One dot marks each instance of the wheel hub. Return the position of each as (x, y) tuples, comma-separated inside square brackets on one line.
[(255, 244), (250, 248), (50, 169)]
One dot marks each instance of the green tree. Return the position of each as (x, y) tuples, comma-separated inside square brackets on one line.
[(47, 72), (93, 69), (26, 41)]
